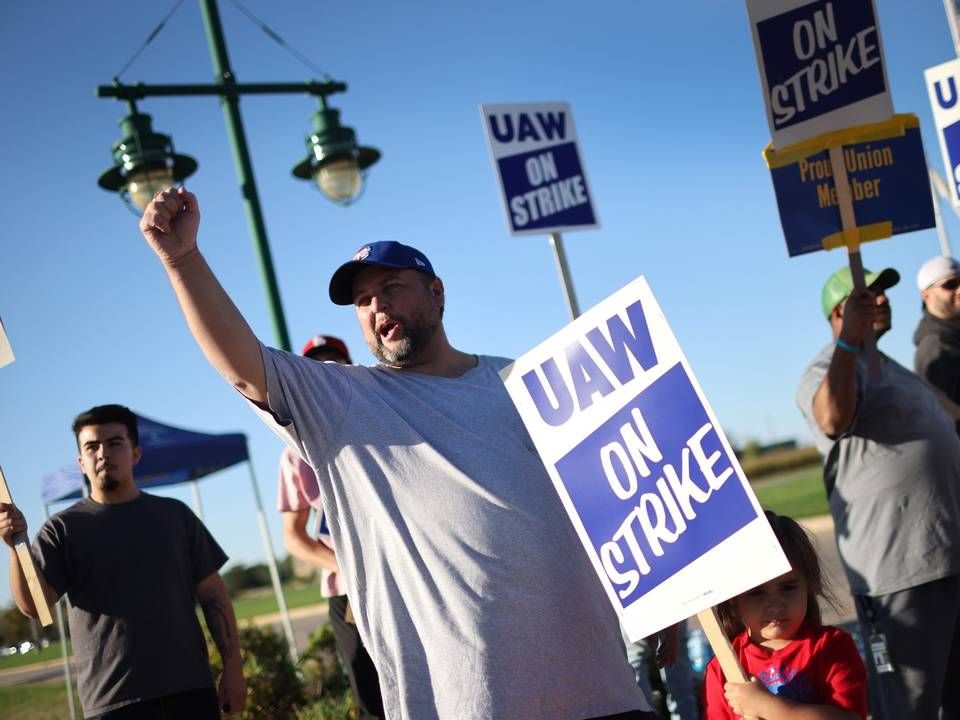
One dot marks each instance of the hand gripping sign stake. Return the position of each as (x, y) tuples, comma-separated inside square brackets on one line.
[(722, 648), (21, 544)]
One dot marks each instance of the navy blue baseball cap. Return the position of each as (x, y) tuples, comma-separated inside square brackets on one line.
[(386, 253)]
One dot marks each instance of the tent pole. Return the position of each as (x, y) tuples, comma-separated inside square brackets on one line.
[(58, 607), (272, 563), (197, 505)]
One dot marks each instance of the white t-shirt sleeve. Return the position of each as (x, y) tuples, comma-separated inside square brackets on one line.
[(306, 401)]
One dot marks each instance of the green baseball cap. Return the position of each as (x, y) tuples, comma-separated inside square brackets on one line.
[(840, 285)]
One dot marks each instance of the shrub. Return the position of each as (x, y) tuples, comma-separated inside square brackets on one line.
[(320, 669), (274, 691), (774, 463)]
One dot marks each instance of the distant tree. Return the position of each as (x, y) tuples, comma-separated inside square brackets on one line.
[(240, 577), (15, 627), (751, 450)]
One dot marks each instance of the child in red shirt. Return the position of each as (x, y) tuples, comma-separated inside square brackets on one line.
[(798, 667)]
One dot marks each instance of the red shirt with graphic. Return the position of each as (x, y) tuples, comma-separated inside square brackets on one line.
[(821, 667)]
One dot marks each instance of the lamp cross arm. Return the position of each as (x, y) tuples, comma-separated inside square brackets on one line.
[(140, 90)]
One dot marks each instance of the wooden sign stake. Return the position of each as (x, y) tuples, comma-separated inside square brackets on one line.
[(851, 241), (722, 647), (21, 544)]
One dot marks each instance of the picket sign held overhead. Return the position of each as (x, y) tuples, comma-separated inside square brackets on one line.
[(886, 179), (21, 545), (6, 352), (821, 66), (641, 465), (943, 86), (536, 156), (822, 73)]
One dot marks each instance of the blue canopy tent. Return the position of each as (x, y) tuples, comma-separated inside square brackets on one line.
[(172, 456)]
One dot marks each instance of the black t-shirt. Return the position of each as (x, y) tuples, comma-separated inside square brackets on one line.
[(129, 571)]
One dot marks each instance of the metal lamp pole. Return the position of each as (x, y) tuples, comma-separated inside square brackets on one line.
[(144, 149), (145, 162)]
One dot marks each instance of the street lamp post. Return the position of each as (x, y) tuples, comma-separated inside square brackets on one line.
[(146, 163)]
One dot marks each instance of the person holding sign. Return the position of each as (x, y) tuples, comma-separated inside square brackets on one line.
[(133, 565), (797, 665), (472, 592), (937, 337), (297, 494), (892, 475)]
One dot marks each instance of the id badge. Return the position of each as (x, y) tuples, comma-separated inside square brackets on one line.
[(880, 653)]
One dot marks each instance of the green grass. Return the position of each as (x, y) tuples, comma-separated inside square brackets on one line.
[(36, 701), (250, 606), (52, 652), (264, 602), (798, 494)]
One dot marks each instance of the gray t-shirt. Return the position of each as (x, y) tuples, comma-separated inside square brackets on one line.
[(896, 477), (129, 571), (472, 592)]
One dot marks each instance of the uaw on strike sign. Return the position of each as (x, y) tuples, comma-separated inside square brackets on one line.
[(535, 153), (942, 85), (824, 85), (821, 66), (641, 465)]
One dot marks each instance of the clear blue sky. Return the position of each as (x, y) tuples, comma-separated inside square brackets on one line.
[(671, 123)]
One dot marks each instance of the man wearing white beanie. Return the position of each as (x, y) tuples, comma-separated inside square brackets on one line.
[(937, 337)]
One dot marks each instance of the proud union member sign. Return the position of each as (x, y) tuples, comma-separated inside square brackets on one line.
[(535, 153), (646, 474)]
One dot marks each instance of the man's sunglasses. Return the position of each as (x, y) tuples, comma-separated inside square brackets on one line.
[(951, 284)]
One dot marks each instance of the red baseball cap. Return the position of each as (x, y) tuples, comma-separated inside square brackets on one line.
[(326, 342)]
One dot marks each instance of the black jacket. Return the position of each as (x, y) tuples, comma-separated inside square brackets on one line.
[(937, 360)]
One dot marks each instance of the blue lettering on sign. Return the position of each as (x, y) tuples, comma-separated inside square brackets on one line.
[(545, 188), (654, 487), (949, 99), (951, 138), (820, 57), (554, 400), (536, 126), (888, 182)]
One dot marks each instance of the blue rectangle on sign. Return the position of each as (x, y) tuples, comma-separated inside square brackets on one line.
[(820, 57), (951, 137), (654, 486), (546, 188), (888, 180)]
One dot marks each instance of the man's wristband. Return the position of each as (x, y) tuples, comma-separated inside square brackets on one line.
[(847, 346)]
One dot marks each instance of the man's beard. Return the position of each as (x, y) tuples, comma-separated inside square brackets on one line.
[(417, 333), (107, 482)]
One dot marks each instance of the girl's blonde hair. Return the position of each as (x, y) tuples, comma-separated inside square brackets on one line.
[(803, 559)]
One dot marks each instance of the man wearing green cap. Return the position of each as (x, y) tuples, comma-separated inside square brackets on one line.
[(892, 474)]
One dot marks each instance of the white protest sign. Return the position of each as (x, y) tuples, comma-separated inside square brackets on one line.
[(942, 87), (644, 470), (6, 352), (821, 66), (535, 153)]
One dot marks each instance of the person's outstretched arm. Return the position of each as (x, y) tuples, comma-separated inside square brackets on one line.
[(835, 402), (169, 224)]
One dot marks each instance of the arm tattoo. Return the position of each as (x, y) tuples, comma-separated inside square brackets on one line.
[(215, 611)]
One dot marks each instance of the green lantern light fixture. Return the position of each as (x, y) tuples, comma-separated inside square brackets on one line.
[(145, 161), (335, 162)]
